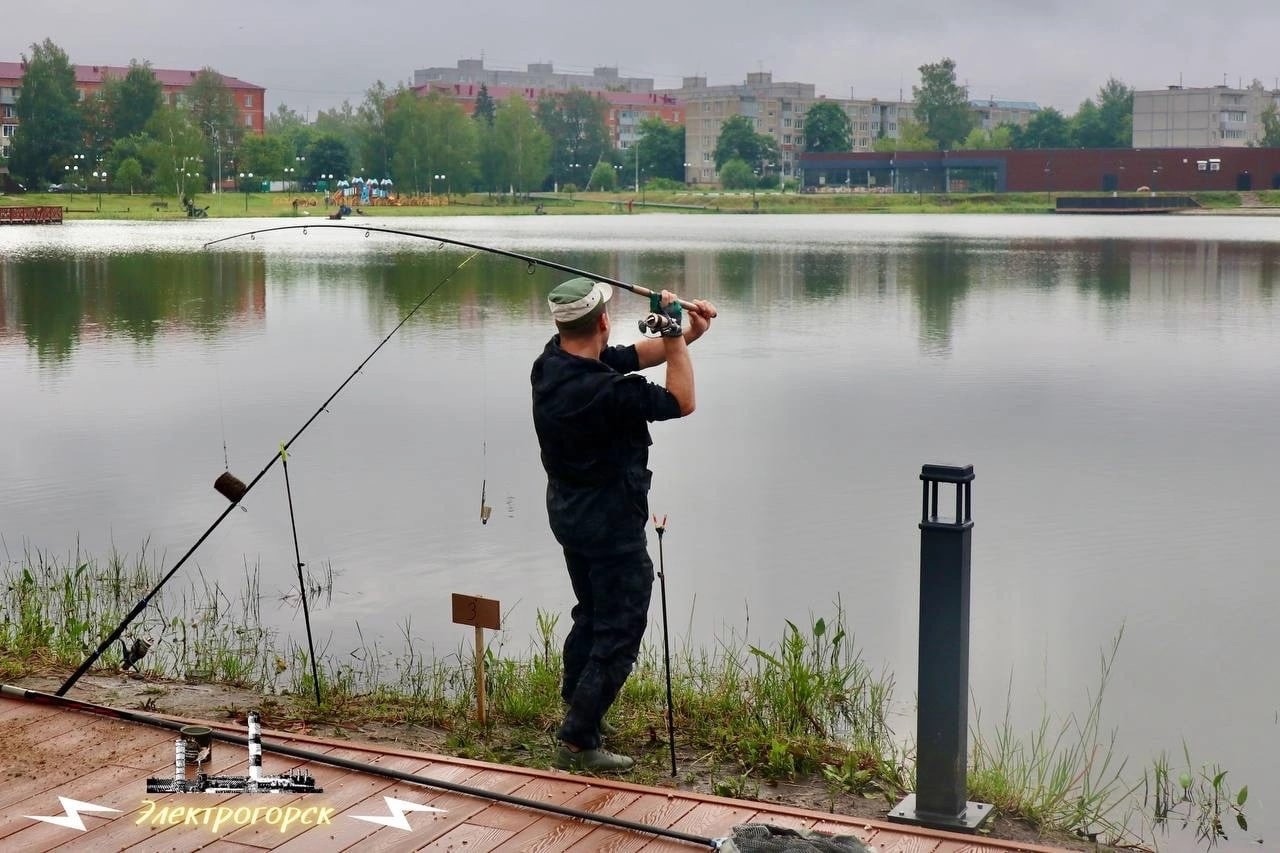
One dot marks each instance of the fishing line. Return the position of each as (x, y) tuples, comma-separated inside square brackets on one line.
[(234, 490), (302, 584)]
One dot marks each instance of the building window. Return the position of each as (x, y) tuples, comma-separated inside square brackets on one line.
[(6, 131), (248, 101), (786, 139), (786, 122), (248, 121), (1234, 115), (9, 111)]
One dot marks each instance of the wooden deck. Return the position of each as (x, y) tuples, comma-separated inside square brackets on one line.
[(47, 753), (47, 215)]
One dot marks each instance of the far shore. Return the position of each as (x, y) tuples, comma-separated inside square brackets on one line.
[(234, 205)]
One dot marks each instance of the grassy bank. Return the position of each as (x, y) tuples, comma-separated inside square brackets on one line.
[(805, 710), (89, 206)]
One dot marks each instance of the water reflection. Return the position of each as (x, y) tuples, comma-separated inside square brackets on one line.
[(55, 303)]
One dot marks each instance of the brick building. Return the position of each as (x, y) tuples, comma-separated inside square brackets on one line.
[(249, 99), (1046, 170)]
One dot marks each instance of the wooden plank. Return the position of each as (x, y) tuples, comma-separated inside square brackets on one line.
[(54, 762), (125, 831), (556, 791), (346, 833), (555, 833), (713, 820), (907, 843), (469, 837), (656, 809), (460, 809)]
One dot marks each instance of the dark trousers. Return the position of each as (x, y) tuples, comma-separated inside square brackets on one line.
[(613, 592)]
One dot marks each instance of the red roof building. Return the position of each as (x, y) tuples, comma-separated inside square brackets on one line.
[(623, 114), (249, 99)]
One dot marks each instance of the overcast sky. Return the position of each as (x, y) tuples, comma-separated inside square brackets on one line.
[(313, 56)]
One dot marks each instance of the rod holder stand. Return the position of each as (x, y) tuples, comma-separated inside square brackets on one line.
[(942, 719)]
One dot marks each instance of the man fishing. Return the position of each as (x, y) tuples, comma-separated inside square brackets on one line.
[(591, 412)]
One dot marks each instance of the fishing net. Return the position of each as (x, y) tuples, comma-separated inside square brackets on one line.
[(764, 838)]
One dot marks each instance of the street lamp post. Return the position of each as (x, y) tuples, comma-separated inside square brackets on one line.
[(100, 178), (687, 167), (440, 177), (300, 162), (245, 178), (73, 172), (217, 144)]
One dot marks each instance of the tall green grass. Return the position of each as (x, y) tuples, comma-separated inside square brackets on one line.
[(804, 707)]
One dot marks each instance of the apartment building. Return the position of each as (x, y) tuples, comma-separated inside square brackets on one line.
[(623, 110), (1206, 117), (537, 75), (250, 100), (871, 119), (993, 112), (776, 109)]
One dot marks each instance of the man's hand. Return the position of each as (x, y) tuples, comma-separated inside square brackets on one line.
[(699, 319)]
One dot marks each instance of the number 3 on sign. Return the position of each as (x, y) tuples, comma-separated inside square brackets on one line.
[(477, 611)]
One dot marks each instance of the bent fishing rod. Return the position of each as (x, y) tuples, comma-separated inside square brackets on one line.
[(528, 259), (235, 490)]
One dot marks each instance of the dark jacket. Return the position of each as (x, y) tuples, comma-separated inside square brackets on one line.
[(592, 419)]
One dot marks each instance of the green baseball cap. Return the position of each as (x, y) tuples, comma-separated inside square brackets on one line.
[(577, 298)]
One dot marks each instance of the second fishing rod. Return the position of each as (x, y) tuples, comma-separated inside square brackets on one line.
[(235, 490)]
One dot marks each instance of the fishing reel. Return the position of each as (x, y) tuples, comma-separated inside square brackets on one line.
[(657, 325), (662, 321)]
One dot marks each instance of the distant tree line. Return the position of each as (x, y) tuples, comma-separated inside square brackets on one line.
[(423, 144), (429, 144)]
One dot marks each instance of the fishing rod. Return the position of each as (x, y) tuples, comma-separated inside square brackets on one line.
[(234, 490), (528, 259), (24, 694)]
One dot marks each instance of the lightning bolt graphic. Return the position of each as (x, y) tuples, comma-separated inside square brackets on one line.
[(70, 818), (398, 808)]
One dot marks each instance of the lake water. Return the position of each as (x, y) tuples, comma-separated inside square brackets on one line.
[(1113, 381)]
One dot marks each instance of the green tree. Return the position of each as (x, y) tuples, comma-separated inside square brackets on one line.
[(911, 137), (1115, 109), (660, 149), (575, 122), (128, 175), (735, 174), (604, 178), (213, 113), (49, 129), (1086, 128), (996, 139), (1270, 127), (827, 128), (265, 156), (133, 100), (1047, 129), (486, 108), (343, 123), (942, 105), (328, 155), (521, 147), (431, 136), (738, 140), (375, 141), (174, 152)]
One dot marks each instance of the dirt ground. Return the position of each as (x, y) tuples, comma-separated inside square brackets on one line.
[(218, 703)]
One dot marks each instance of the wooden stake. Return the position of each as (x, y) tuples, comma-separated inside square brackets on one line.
[(480, 675)]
